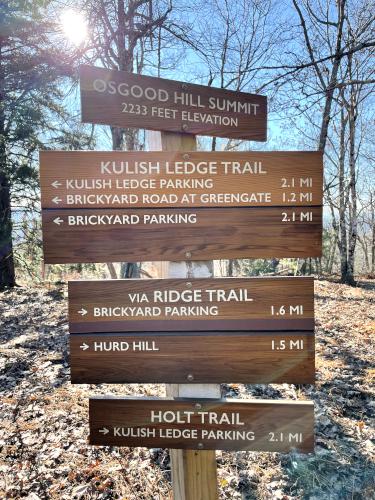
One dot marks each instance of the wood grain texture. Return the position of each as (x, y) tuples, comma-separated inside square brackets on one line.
[(214, 233), (265, 425), (193, 473), (200, 475), (167, 111), (267, 303), (203, 357), (106, 179)]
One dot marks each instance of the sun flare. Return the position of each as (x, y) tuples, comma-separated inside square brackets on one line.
[(74, 26)]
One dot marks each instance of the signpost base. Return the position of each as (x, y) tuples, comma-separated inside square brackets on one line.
[(194, 473)]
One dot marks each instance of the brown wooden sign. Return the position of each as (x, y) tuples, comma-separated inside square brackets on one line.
[(160, 305), (203, 424), (114, 179), (131, 100), (196, 357), (86, 235)]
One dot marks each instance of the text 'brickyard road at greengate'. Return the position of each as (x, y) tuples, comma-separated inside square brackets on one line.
[(152, 183)]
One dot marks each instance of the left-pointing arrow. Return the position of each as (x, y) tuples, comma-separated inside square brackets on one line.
[(58, 221), (104, 430), (84, 346), (56, 184)]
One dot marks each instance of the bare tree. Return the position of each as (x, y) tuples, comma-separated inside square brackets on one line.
[(324, 90), (122, 32)]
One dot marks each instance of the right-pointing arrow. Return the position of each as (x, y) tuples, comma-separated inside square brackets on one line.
[(58, 221), (104, 430), (82, 312), (84, 346)]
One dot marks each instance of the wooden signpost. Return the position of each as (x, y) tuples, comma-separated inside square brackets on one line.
[(118, 179), (193, 357), (103, 235), (250, 330), (130, 100), (190, 333), (171, 305), (203, 424), (246, 204)]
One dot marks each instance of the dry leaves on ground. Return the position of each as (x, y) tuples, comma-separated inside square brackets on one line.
[(43, 436)]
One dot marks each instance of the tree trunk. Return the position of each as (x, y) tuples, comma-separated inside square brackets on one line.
[(303, 267), (230, 267), (372, 234), (112, 270), (274, 264), (330, 89), (117, 138), (7, 272), (353, 218), (363, 243), (342, 241), (318, 265), (129, 270), (332, 253)]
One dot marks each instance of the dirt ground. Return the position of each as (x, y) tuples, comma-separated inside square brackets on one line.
[(44, 419)]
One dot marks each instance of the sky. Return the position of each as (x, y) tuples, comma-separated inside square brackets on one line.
[(191, 68)]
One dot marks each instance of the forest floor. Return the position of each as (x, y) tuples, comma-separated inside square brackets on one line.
[(44, 428)]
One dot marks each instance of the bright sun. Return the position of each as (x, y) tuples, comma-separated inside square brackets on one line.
[(74, 26)]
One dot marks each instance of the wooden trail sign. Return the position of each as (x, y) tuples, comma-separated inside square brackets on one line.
[(203, 424), (126, 99), (199, 304), (193, 357), (135, 235), (114, 179), (251, 330)]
